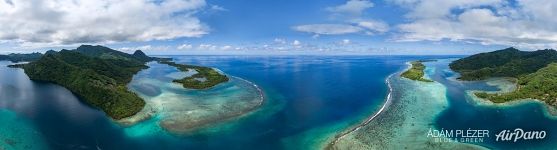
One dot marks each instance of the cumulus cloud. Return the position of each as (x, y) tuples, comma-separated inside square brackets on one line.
[(351, 7), (296, 43), (99, 21), (279, 41), (351, 22), (207, 47), (184, 47), (528, 23)]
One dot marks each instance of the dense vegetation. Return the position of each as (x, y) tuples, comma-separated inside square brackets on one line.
[(21, 57), (211, 77), (139, 55), (508, 62), (416, 72), (107, 53), (98, 75), (541, 85), (536, 73)]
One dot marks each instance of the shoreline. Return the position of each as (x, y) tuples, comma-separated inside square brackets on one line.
[(505, 85), (368, 120), (387, 102), (400, 116)]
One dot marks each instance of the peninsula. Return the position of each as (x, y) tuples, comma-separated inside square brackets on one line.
[(536, 73), (416, 72), (96, 74)]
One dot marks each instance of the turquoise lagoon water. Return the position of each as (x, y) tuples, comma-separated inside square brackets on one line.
[(308, 100), (180, 111), (465, 113), (416, 107)]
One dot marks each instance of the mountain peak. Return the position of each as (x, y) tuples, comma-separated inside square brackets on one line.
[(139, 53), (510, 49), (141, 56), (50, 52)]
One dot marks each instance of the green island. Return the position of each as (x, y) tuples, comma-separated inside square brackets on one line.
[(509, 62), (96, 74), (535, 73), (204, 78), (416, 72), (99, 75)]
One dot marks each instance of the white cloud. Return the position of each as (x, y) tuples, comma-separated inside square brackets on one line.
[(144, 48), (528, 23), (226, 47), (101, 21), (279, 41), (367, 27), (218, 8), (184, 47), (345, 42), (351, 21), (351, 7), (207, 47), (296, 43), (315, 36), (329, 29), (377, 26)]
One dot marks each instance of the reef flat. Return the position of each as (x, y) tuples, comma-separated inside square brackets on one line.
[(18, 133), (404, 123), (178, 110)]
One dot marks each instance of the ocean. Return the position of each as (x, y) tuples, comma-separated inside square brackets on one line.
[(307, 101)]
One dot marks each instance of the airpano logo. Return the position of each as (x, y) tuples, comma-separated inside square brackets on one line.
[(519, 134)]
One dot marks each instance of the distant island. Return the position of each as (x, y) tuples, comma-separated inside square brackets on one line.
[(535, 73), (204, 78), (21, 57), (416, 72), (99, 75)]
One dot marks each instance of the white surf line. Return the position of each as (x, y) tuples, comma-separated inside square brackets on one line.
[(367, 121), (256, 87), (253, 84)]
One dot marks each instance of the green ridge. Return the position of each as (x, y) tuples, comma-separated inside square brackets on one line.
[(98, 76), (508, 62)]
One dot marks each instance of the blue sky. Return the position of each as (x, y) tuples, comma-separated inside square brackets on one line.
[(285, 27)]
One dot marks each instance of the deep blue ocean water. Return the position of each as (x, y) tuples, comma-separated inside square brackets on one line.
[(303, 93)]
